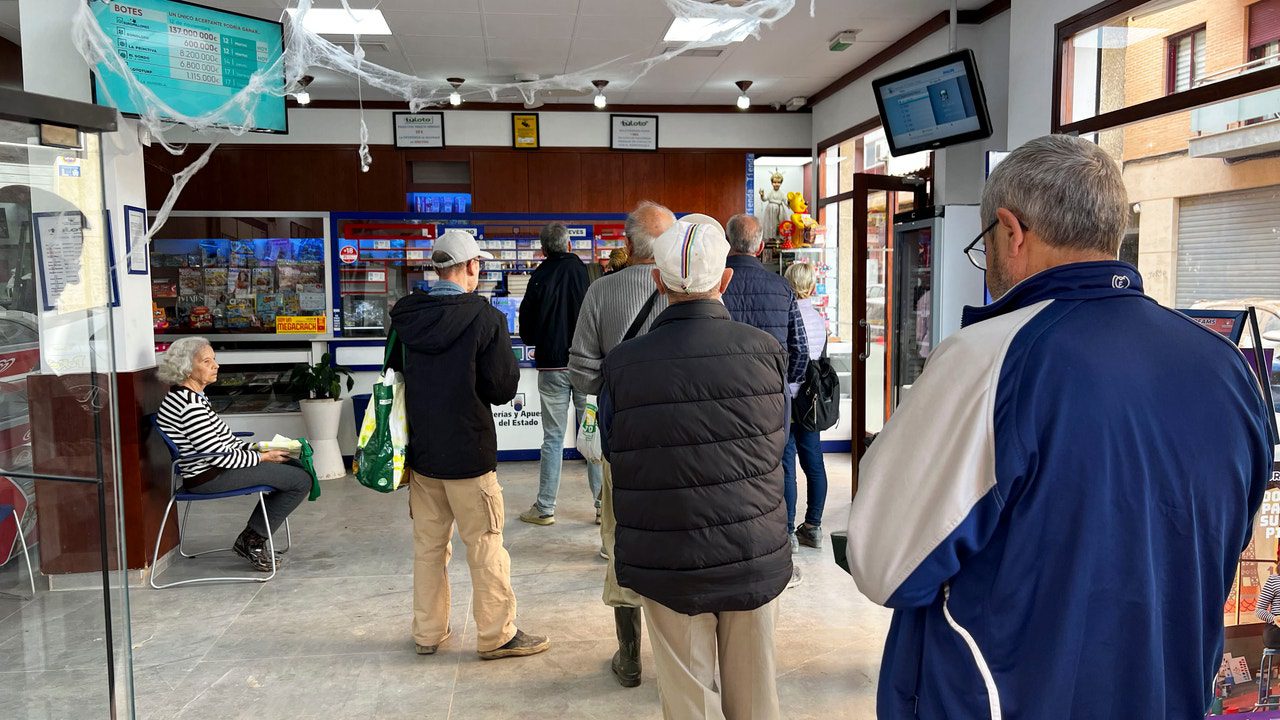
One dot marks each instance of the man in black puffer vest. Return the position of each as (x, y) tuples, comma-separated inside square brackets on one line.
[(694, 417)]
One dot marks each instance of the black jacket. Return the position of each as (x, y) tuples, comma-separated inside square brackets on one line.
[(457, 361), (695, 416), (549, 312)]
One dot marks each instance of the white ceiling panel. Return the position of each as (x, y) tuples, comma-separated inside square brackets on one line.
[(433, 68), (517, 48), (656, 98), (555, 7), (444, 47), (625, 8), (558, 27), (641, 28), (542, 66), (433, 5), (434, 24)]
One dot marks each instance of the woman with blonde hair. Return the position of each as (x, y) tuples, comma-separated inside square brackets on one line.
[(807, 444)]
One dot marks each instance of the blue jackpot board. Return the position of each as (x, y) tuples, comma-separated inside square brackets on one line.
[(193, 58)]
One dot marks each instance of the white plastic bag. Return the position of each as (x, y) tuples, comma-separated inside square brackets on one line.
[(384, 434), (589, 433)]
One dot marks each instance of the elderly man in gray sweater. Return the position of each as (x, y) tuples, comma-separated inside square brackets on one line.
[(618, 307)]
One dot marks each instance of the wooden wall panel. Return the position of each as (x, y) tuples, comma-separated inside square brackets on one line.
[(642, 179), (726, 185), (500, 181), (555, 182), (244, 176), (685, 180), (301, 178), (602, 182), (383, 187)]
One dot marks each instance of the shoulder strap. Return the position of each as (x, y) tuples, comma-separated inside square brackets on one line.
[(825, 341), (391, 344), (641, 317)]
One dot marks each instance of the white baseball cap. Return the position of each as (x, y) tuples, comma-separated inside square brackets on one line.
[(701, 219), (455, 247), (691, 256)]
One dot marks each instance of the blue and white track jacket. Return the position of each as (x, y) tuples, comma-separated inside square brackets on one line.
[(1057, 509)]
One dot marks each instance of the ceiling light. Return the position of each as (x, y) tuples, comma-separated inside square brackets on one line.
[(704, 29), (455, 98), (343, 22), (303, 98), (600, 101), (744, 102)]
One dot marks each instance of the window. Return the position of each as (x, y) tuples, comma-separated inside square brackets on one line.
[(1264, 32), (1186, 60)]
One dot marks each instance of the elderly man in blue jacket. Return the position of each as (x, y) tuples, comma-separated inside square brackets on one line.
[(1057, 510)]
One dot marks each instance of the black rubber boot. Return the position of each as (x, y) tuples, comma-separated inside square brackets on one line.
[(626, 662)]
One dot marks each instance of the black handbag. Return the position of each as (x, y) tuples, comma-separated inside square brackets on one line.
[(817, 405)]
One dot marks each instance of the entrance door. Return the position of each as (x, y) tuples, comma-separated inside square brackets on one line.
[(875, 200)]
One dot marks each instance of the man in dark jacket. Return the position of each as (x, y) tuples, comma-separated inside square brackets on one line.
[(457, 361), (548, 316), (694, 417)]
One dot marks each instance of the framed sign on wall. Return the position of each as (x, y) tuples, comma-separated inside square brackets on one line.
[(633, 132), (524, 131), (418, 130)]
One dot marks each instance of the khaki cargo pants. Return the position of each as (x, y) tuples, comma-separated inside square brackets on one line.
[(614, 595), (476, 506)]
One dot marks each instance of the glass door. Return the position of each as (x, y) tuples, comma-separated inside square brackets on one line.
[(64, 620)]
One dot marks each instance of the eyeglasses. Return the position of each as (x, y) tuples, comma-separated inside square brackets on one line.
[(978, 255)]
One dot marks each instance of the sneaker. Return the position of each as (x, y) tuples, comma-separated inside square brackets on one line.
[(537, 517), (809, 535), (597, 516), (253, 547), (431, 649), (522, 645), (795, 577), (795, 544)]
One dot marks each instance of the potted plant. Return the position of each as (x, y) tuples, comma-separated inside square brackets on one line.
[(318, 388)]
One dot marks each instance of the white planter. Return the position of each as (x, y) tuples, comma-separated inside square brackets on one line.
[(321, 418)]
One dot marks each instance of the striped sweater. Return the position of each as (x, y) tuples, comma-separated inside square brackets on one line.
[(608, 310), (1269, 600), (190, 422)]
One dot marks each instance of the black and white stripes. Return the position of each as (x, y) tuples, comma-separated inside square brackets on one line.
[(190, 422)]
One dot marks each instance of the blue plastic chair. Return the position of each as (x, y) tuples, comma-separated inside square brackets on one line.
[(1267, 701), (6, 511), (180, 495)]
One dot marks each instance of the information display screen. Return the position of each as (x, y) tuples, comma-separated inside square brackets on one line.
[(193, 58), (933, 105)]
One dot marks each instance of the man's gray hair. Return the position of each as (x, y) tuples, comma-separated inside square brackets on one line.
[(745, 233), (555, 238), (1066, 189), (641, 228), (176, 363)]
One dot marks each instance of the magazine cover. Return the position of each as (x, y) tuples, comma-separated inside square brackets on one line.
[(242, 253), (263, 280), (215, 281), (289, 274), (240, 313), (309, 250), (268, 309), (214, 252), (290, 304), (190, 281), (164, 287), (241, 282)]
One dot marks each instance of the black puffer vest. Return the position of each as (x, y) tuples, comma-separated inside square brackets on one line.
[(697, 423)]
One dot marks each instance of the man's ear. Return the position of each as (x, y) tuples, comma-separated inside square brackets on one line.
[(1013, 228), (657, 280), (725, 277)]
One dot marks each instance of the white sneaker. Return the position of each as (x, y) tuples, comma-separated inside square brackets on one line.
[(795, 577)]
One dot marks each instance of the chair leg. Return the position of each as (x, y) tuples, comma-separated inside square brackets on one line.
[(271, 543), (182, 530), (241, 578), (288, 536), (31, 576), (155, 553)]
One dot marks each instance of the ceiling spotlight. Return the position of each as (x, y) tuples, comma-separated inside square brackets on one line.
[(455, 98), (302, 97), (600, 100), (744, 102)]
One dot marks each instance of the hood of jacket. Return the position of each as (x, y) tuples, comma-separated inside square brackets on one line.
[(432, 323)]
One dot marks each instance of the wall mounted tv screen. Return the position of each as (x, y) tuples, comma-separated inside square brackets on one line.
[(933, 105), (193, 58)]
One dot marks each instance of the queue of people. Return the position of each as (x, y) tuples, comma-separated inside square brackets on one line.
[(1042, 513)]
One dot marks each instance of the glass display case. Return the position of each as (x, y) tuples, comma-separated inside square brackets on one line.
[(240, 275), (381, 258), (913, 300)]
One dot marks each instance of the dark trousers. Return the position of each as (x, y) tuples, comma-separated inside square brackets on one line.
[(1271, 636), (808, 445), (291, 481)]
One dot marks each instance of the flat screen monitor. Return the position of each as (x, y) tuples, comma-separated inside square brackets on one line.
[(933, 105), (193, 58)]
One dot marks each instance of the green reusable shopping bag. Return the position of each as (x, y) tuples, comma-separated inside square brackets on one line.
[(304, 459), (380, 449)]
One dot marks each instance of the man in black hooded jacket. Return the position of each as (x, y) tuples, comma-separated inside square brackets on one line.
[(457, 361)]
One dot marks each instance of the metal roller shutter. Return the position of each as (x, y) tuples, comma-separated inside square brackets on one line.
[(1229, 246)]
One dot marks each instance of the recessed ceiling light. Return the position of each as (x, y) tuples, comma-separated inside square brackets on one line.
[(341, 22), (703, 29)]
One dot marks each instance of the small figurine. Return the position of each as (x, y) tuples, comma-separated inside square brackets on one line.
[(775, 203), (801, 220)]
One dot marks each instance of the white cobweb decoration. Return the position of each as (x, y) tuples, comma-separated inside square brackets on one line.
[(304, 50)]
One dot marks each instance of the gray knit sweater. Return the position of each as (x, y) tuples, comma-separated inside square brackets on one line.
[(610, 307)]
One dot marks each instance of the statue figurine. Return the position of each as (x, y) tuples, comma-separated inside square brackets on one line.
[(802, 223), (775, 204)]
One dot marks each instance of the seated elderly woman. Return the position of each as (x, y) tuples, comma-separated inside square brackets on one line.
[(190, 422)]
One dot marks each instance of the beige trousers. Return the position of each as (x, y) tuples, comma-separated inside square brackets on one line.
[(476, 506), (686, 650), (614, 594)]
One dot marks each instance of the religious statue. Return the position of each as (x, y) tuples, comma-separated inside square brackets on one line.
[(775, 207)]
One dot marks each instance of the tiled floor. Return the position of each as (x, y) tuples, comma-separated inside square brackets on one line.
[(329, 637)]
